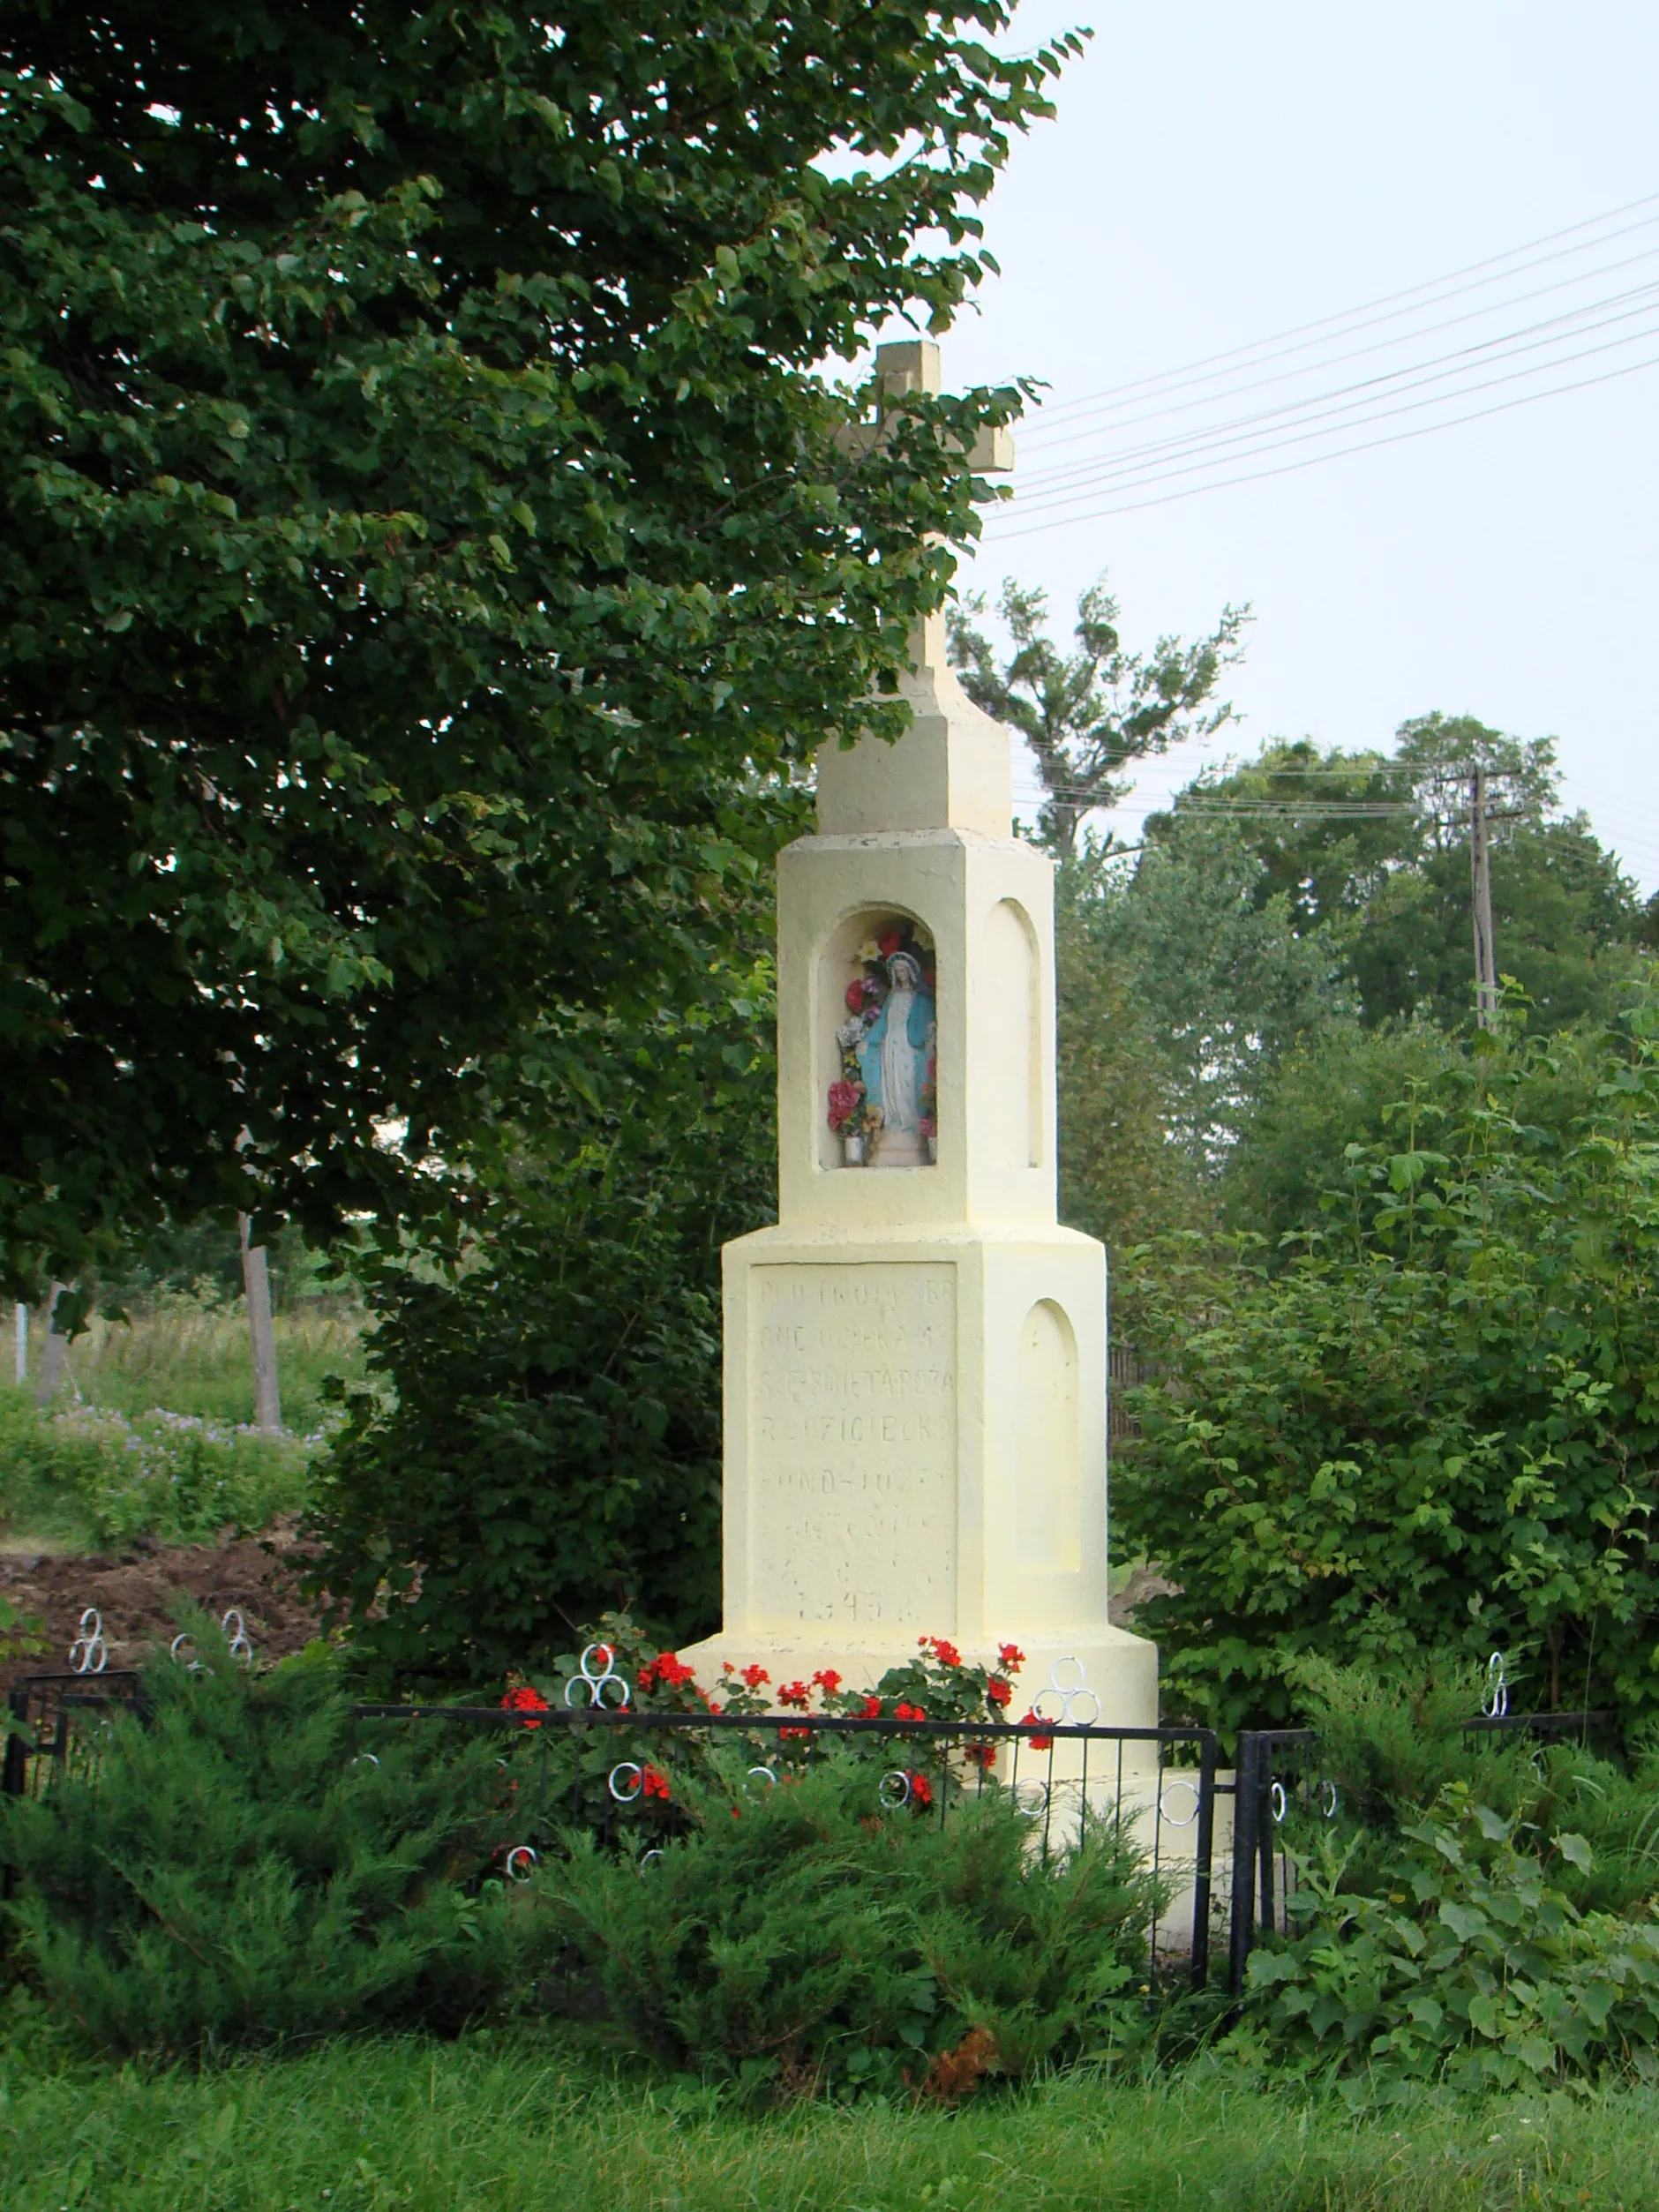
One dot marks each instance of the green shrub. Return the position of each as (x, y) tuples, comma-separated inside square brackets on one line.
[(1472, 1967), (233, 1872), (1435, 1427), (799, 1936), (88, 1474), (1393, 1739)]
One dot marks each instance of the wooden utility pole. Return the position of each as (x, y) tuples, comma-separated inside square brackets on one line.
[(256, 1281), (1481, 869)]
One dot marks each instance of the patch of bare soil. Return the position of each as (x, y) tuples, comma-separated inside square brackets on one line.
[(138, 1596)]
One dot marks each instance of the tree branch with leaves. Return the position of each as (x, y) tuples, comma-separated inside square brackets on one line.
[(1089, 715)]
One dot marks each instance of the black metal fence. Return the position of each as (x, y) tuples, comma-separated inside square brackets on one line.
[(619, 1772), (1278, 1774)]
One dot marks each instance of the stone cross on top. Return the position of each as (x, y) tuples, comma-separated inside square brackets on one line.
[(953, 769)]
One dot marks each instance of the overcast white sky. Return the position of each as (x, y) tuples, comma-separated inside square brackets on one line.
[(1221, 174)]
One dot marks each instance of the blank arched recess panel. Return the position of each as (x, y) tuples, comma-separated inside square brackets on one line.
[(1049, 1538), (1009, 1104)]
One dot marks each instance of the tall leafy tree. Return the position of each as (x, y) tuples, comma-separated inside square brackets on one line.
[(423, 532), (1375, 848), (1090, 715)]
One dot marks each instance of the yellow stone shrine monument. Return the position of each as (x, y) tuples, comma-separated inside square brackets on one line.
[(915, 1356)]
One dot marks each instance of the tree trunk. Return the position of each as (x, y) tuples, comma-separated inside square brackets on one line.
[(256, 1281), (56, 1351)]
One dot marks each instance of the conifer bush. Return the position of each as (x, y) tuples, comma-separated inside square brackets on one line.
[(236, 1870), (801, 1937)]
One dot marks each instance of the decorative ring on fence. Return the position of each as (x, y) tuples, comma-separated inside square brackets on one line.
[(1328, 1799), (94, 1653), (1279, 1802), (766, 1774), (365, 1758), (1031, 1798), (596, 1685), (895, 1788), (1067, 1696), (649, 1858), (241, 1645), (613, 1782), (183, 1644), (1494, 1697), (521, 1863), (1181, 1781)]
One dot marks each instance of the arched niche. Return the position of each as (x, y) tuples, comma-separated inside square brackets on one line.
[(1049, 1534), (1006, 1014), (872, 951)]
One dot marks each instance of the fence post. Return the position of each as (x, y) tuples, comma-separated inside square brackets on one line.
[(1246, 1809), (1204, 1853)]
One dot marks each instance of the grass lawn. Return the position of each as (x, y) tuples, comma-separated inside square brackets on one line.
[(495, 2123)]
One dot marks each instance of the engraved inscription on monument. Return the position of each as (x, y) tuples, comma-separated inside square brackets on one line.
[(853, 1512)]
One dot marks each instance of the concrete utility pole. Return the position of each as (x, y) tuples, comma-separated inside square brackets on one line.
[(1481, 869), (256, 1281), (23, 1343), (57, 1350)]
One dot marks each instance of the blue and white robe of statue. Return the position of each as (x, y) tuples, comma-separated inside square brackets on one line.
[(893, 1058)]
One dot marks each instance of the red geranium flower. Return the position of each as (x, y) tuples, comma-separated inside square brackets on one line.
[(920, 1789), (903, 1711), (999, 1692), (667, 1669), (1038, 1743), (947, 1654), (525, 1699), (1009, 1656), (654, 1782), (870, 1710), (889, 942), (827, 1680), (793, 1735), (795, 1693), (756, 1675), (980, 1755)]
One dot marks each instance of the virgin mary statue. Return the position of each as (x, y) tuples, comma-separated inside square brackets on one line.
[(893, 1060)]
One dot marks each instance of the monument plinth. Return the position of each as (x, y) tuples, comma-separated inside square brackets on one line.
[(915, 1356)]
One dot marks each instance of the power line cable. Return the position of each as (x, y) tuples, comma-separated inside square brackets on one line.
[(1410, 376), (1291, 468), (1153, 463), (1387, 300), (1033, 435)]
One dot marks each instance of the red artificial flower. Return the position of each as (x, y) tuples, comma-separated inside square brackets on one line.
[(1009, 1656), (525, 1699), (1038, 1743), (920, 1789), (756, 1675), (795, 1693), (903, 1711), (855, 995), (871, 1709), (889, 942), (654, 1782), (844, 1099), (827, 1680), (999, 1692)]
